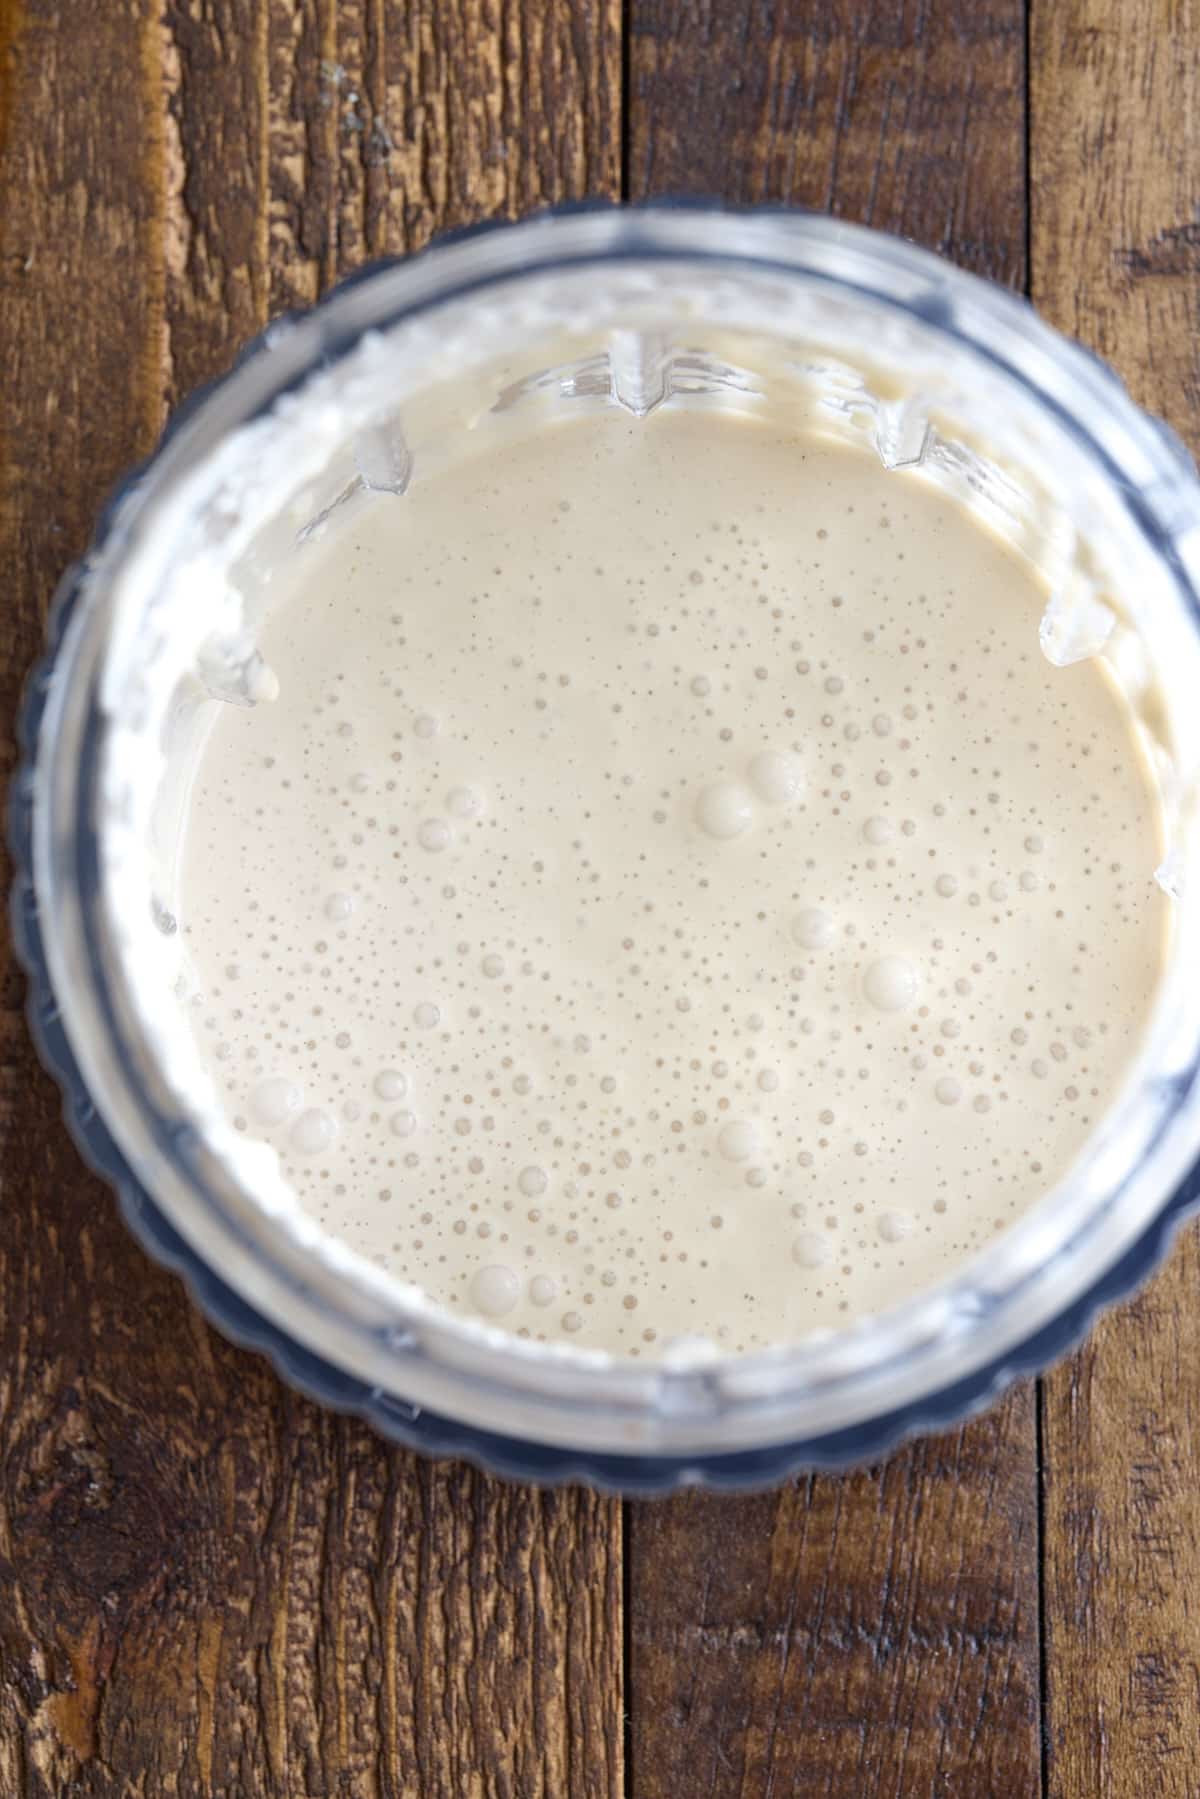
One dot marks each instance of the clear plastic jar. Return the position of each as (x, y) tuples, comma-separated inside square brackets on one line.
[(877, 341)]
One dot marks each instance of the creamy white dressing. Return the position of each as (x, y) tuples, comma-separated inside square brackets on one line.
[(672, 894)]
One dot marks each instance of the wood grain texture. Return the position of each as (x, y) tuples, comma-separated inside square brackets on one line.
[(208, 1587), (1116, 260), (867, 1635), (875, 1634), (905, 114)]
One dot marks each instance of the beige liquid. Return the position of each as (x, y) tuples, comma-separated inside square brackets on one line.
[(671, 894)]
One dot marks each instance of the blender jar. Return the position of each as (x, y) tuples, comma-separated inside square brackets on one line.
[(858, 336)]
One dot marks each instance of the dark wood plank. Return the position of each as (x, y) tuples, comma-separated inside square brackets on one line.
[(905, 114), (207, 1587), (871, 1634), (1116, 158), (877, 1633)]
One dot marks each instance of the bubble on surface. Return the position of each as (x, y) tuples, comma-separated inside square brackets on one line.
[(312, 1132), (892, 983), (724, 810), (811, 1251), (812, 928), (464, 802), (776, 777), (495, 1290), (276, 1099), (738, 1140)]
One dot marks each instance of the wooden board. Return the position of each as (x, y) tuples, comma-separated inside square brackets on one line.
[(904, 114), (862, 1635), (207, 1587), (1116, 260), (876, 1633)]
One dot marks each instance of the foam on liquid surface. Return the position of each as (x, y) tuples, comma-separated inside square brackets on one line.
[(672, 893)]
